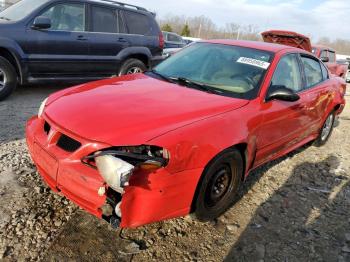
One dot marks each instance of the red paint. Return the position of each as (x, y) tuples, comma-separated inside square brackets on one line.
[(194, 126), (336, 69), (288, 38)]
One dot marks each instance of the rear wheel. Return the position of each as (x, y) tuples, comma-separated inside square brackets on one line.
[(8, 78), (132, 66), (326, 130), (219, 184)]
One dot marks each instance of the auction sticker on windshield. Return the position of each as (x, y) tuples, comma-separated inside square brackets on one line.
[(253, 62)]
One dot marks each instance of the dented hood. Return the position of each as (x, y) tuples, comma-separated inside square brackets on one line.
[(132, 109), (287, 38)]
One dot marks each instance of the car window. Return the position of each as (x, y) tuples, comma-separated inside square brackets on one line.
[(331, 56), (287, 73), (174, 38), (313, 71), (324, 72), (237, 71), (67, 17), (138, 24), (324, 53), (104, 20), (21, 9)]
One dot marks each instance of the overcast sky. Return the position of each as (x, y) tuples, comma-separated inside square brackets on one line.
[(311, 17)]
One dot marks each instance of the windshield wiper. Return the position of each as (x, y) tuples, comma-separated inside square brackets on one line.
[(161, 76), (196, 85), (5, 18)]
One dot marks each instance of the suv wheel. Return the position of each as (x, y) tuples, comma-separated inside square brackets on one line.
[(8, 78), (132, 66)]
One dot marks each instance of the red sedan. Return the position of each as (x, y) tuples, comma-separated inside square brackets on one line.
[(181, 138)]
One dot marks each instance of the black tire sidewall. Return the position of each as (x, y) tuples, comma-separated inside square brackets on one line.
[(132, 62), (11, 77), (234, 159), (319, 141)]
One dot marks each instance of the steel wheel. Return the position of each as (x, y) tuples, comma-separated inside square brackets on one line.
[(218, 186)]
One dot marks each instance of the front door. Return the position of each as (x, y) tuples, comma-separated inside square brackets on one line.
[(63, 49), (284, 123)]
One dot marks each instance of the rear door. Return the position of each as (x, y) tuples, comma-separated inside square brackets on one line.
[(107, 36), (284, 123), (317, 89), (63, 49)]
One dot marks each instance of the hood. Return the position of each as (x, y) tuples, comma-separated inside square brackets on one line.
[(287, 38), (132, 109)]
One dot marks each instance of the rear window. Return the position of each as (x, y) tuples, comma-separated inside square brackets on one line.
[(138, 24), (331, 57), (174, 38), (104, 20), (313, 72), (324, 72)]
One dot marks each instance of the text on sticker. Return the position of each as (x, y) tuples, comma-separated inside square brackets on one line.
[(253, 62)]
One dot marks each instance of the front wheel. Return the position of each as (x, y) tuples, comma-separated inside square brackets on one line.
[(326, 130), (219, 184), (132, 66)]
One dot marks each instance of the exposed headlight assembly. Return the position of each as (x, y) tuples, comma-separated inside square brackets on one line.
[(117, 164), (42, 107)]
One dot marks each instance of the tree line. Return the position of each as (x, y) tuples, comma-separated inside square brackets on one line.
[(203, 27)]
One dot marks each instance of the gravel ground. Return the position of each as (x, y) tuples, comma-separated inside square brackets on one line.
[(294, 209)]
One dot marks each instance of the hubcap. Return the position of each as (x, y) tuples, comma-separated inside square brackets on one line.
[(134, 70), (327, 127), (218, 186), (3, 79)]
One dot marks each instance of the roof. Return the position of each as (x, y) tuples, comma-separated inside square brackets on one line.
[(323, 47), (252, 44)]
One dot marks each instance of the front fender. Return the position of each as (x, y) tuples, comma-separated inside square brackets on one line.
[(16, 51)]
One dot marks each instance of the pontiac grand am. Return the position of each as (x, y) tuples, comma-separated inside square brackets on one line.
[(181, 138)]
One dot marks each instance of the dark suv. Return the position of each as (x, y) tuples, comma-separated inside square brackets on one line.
[(75, 41)]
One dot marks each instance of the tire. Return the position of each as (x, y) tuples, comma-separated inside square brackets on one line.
[(132, 66), (8, 77), (326, 130), (224, 174)]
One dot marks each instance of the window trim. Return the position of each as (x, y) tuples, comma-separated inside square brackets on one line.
[(303, 68), (297, 55), (46, 8)]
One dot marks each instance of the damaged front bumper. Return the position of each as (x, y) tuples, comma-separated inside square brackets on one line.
[(149, 196)]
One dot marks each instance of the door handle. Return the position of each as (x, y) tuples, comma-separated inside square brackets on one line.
[(81, 38), (122, 39)]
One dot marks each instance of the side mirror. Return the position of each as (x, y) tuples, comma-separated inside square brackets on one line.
[(282, 93), (41, 22), (325, 59)]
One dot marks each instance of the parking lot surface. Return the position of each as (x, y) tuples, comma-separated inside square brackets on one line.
[(294, 209)]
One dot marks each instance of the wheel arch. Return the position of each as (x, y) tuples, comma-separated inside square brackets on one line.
[(12, 58), (242, 148), (141, 53)]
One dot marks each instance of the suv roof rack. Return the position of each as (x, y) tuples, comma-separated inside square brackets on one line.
[(124, 5)]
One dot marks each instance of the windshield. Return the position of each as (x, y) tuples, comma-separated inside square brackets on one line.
[(232, 70), (21, 9)]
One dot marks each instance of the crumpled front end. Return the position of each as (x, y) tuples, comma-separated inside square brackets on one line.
[(146, 191)]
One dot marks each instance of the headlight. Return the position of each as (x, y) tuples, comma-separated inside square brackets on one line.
[(117, 164), (42, 107), (115, 171)]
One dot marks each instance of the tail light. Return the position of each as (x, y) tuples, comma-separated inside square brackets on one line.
[(161, 40)]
